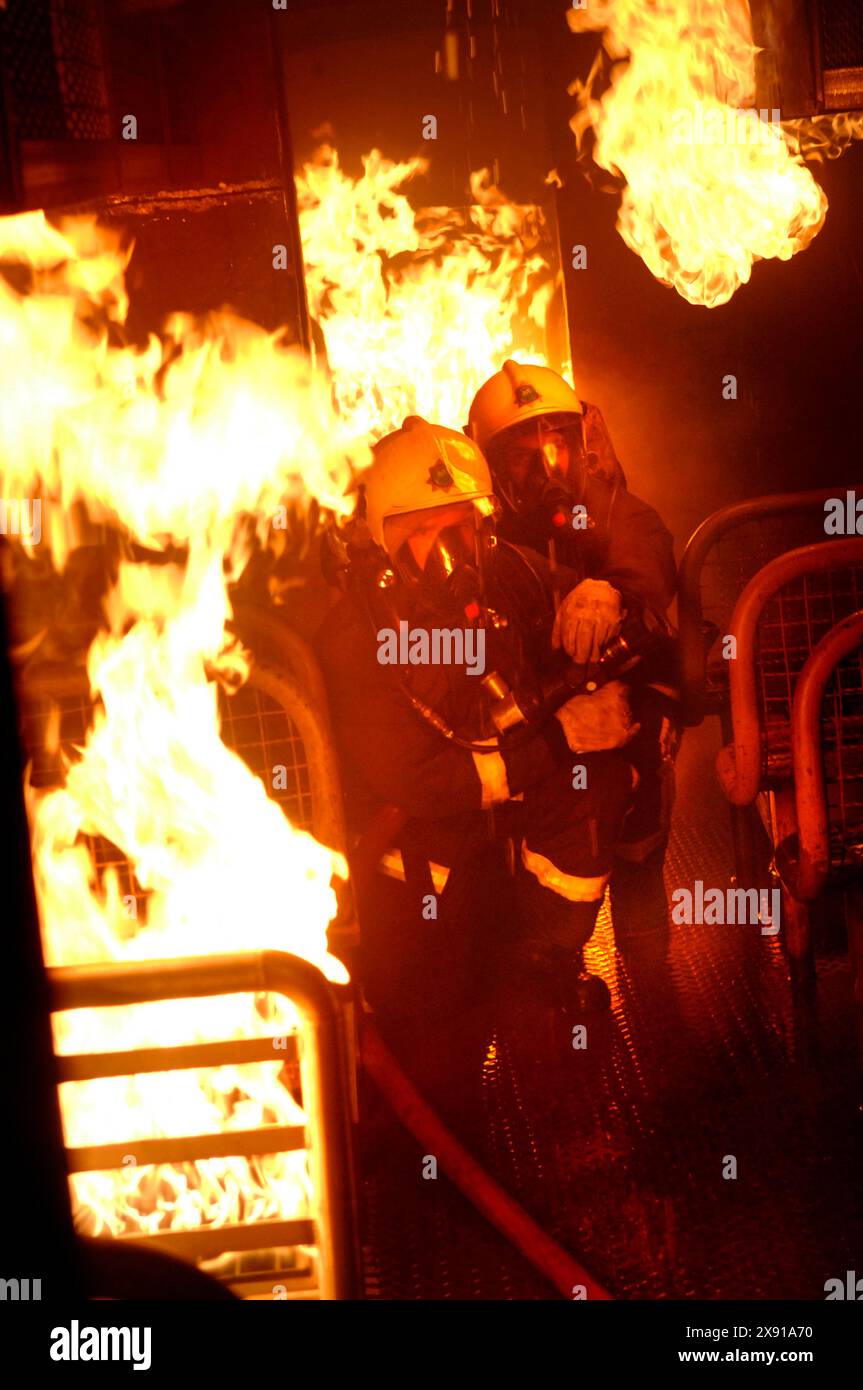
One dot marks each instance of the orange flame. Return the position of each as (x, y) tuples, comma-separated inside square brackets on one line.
[(418, 308), (176, 443), (711, 185), (180, 443)]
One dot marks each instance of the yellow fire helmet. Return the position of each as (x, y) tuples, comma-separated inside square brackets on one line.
[(520, 391), (419, 467)]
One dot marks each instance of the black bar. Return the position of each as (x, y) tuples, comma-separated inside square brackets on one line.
[(37, 1237)]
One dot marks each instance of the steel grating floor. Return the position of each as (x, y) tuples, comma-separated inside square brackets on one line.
[(619, 1149)]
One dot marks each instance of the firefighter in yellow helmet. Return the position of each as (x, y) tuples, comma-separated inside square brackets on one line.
[(434, 659), (563, 494)]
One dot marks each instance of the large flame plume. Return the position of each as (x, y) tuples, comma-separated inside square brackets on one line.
[(187, 446), (712, 185), (183, 442), (419, 308)]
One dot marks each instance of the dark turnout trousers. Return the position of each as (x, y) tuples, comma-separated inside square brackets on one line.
[(466, 893)]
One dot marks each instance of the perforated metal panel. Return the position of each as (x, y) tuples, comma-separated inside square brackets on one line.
[(841, 24), (56, 70)]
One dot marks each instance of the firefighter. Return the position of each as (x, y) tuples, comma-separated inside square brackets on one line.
[(425, 725), (563, 493)]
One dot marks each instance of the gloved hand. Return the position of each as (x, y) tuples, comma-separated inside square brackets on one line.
[(589, 616), (595, 722)]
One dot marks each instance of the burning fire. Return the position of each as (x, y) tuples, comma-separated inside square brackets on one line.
[(418, 308), (193, 442), (711, 185), (179, 443)]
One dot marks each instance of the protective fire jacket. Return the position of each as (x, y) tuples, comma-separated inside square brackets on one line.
[(390, 753)]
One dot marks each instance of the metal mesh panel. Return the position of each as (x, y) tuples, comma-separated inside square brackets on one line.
[(744, 550), (258, 728), (736, 558), (841, 33), (56, 71), (791, 625), (844, 697)]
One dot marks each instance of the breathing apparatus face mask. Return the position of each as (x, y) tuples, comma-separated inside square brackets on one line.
[(538, 469), (444, 560)]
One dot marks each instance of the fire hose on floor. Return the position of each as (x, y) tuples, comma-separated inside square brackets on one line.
[(489, 1198)]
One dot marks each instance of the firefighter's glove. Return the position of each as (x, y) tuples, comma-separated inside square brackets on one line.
[(599, 721), (587, 619)]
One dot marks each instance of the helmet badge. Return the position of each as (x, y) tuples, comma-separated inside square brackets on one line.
[(440, 478), (525, 394)]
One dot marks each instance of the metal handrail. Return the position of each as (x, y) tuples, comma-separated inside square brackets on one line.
[(324, 1064), (690, 615), (272, 639), (740, 774), (84, 1066), (813, 861)]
